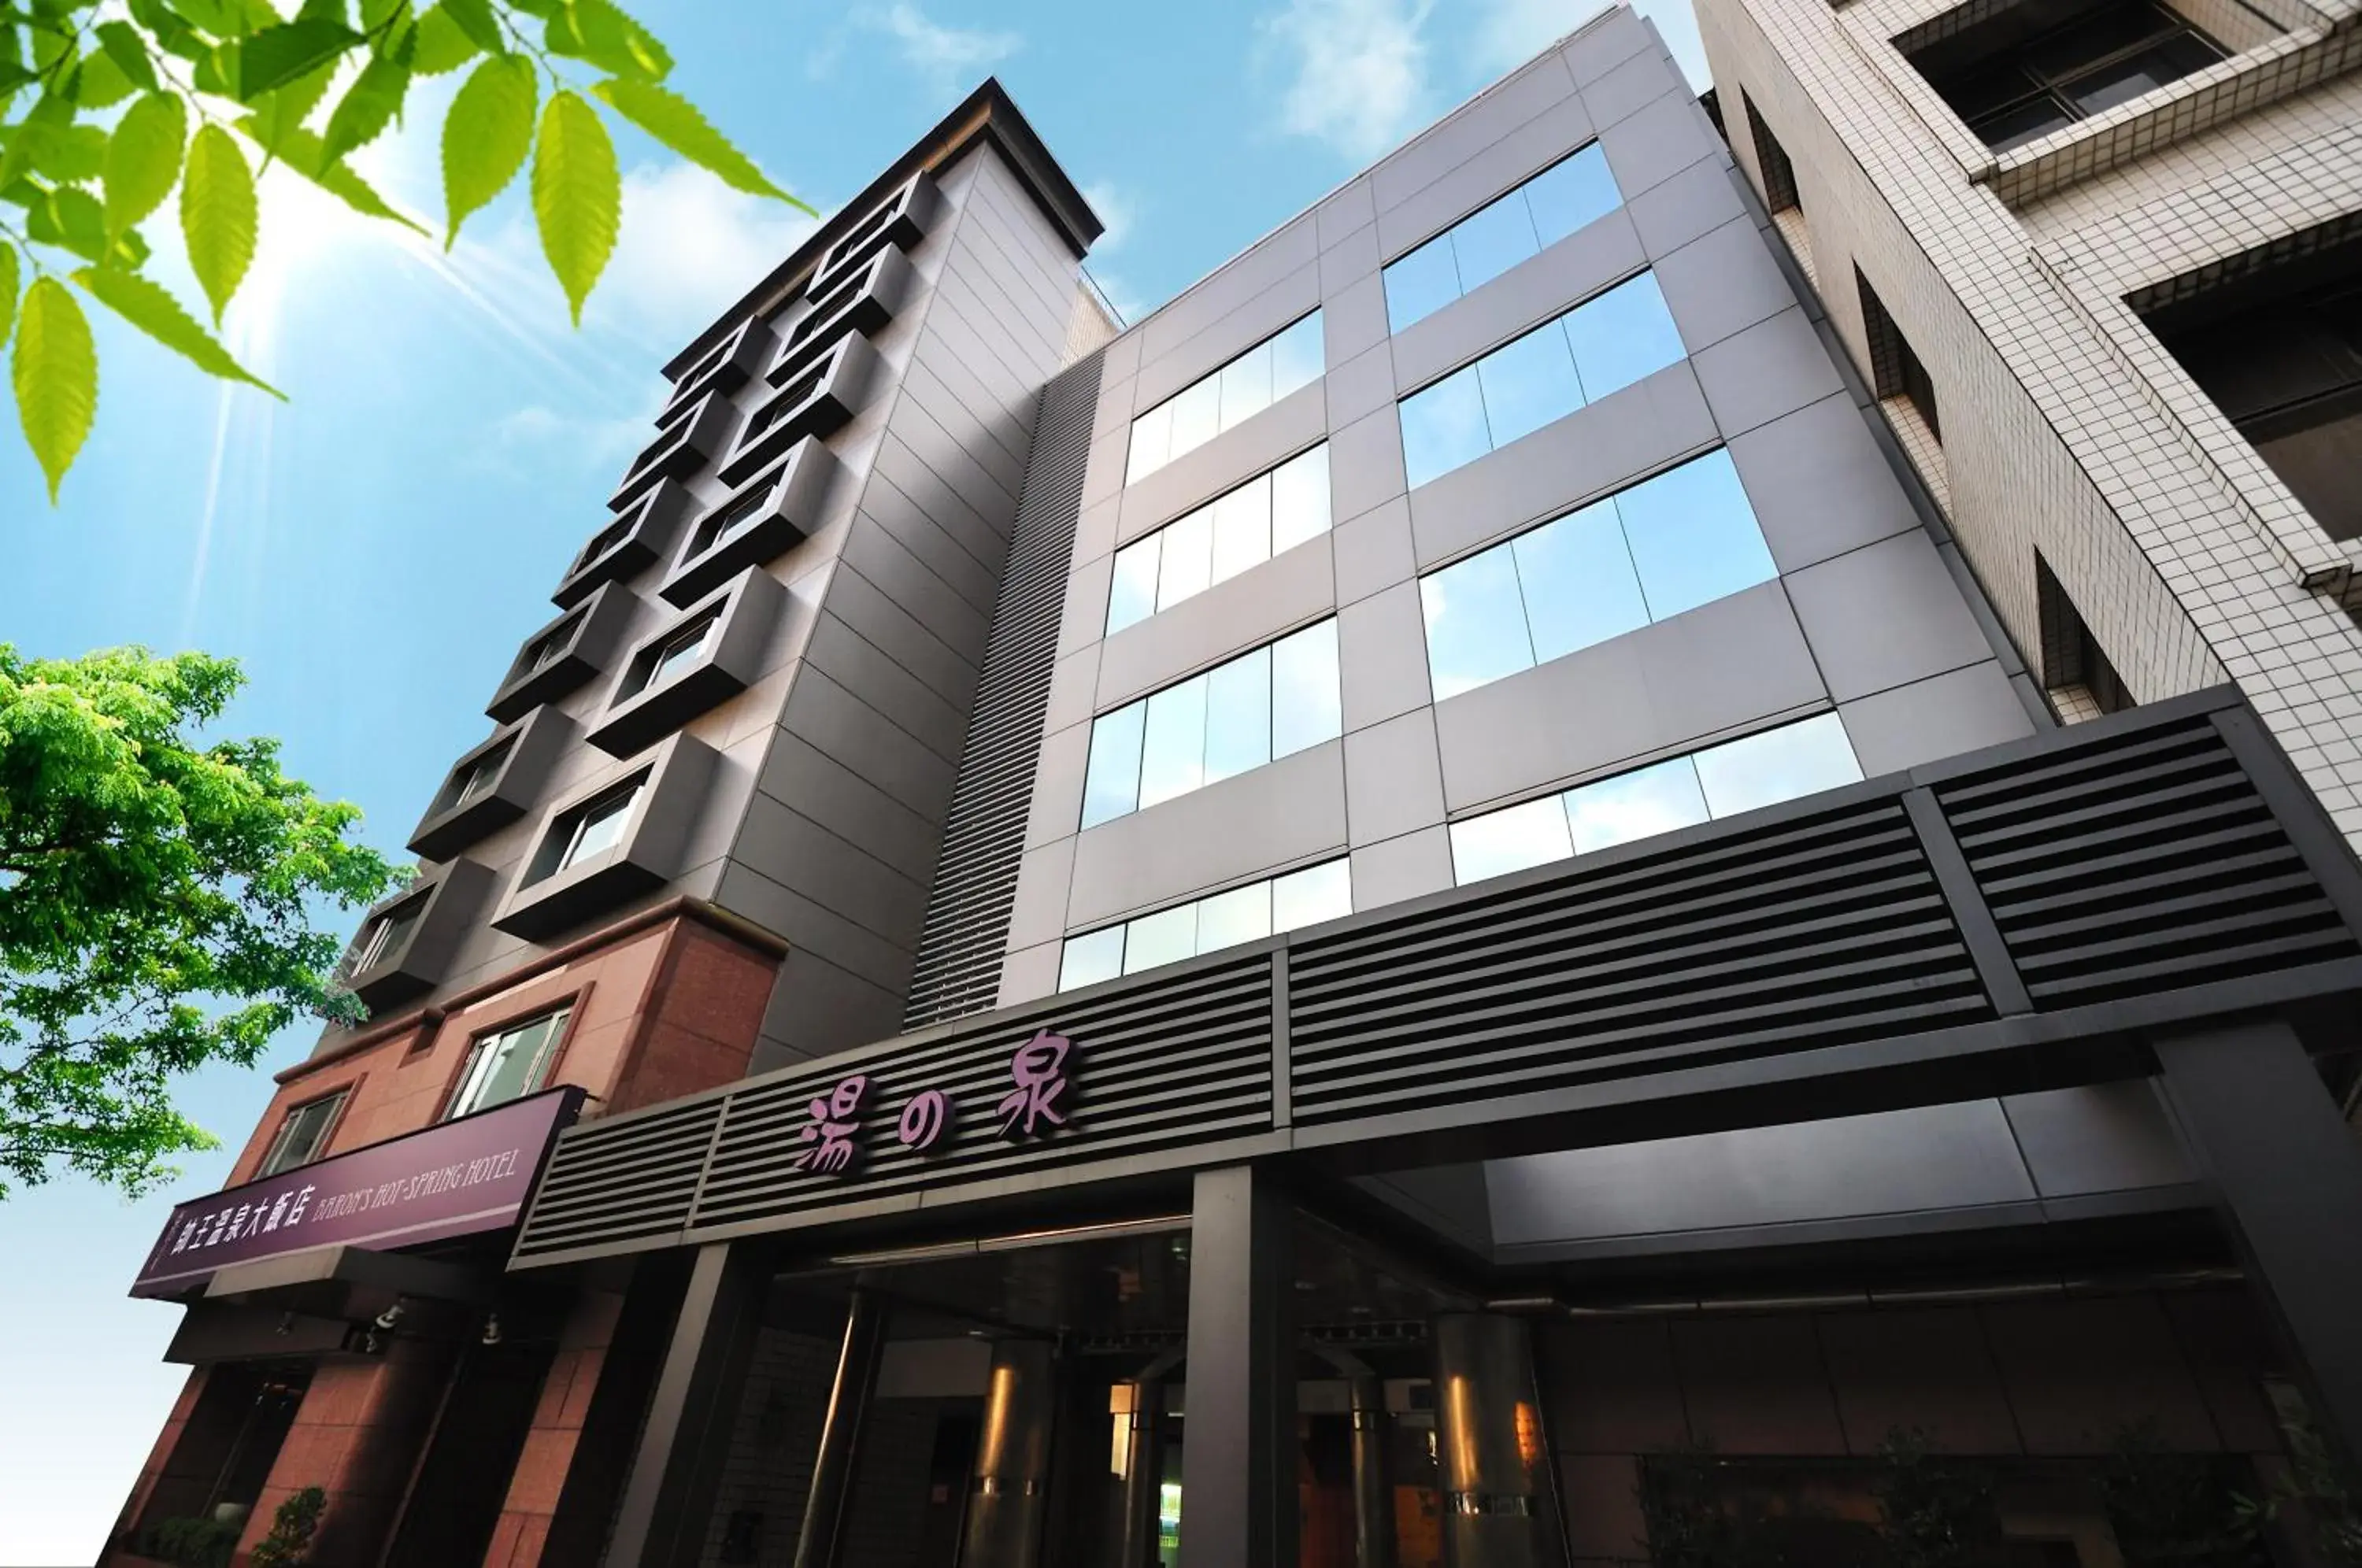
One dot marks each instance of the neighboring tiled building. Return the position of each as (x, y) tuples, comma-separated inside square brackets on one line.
[(1416, 911)]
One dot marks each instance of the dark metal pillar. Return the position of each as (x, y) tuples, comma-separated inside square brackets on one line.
[(840, 1433), (1006, 1514), (2287, 1179), (1144, 1462), (1238, 1437), (669, 1489), (1365, 1395), (1496, 1480)]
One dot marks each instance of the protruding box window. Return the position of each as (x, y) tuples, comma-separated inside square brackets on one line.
[(727, 365), (763, 521), (818, 403), (866, 301), (406, 942), (713, 653), (564, 653), (899, 221), (610, 841), (686, 446), (494, 785), (629, 545)]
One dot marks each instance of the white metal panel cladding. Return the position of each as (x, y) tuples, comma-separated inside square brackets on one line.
[(2162, 864)]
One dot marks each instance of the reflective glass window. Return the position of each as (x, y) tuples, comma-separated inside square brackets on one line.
[(1443, 426), (1493, 239), (1173, 758), (1305, 706), (1299, 499), (1622, 336), (1694, 537), (1238, 716), (1111, 784), (1187, 564), (1229, 395), (1132, 595), (1497, 236), (507, 1066), (1777, 765), (1475, 622), (1242, 914), (1633, 805), (1571, 193), (1241, 529), (1087, 960), (600, 828), (1577, 578), (1666, 544), (1528, 383), (1312, 895), (1165, 937), (1422, 282), (1510, 840)]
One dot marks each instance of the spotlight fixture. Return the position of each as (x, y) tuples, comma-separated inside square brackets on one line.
[(491, 1328), (392, 1315)]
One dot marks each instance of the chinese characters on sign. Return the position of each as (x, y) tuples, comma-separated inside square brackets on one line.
[(1039, 1071)]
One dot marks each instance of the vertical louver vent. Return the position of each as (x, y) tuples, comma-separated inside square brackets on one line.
[(958, 970)]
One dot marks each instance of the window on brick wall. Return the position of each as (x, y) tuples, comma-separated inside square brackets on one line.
[(2078, 675), (2276, 343), (1781, 198), (2021, 71), (1905, 391)]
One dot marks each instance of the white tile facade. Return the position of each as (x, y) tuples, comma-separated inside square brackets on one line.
[(2067, 429)]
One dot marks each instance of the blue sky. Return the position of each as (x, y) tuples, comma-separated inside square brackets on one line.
[(443, 413)]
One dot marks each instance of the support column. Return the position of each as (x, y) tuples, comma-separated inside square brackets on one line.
[(1238, 1437), (840, 1434), (1496, 1482), (669, 1490), (1373, 1524), (2287, 1177), (1006, 1513)]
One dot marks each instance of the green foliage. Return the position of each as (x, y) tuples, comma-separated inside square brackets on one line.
[(291, 1530), (154, 903), (191, 1543), (96, 116), (1935, 1512), (2177, 1508)]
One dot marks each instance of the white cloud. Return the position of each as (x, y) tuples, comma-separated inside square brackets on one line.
[(1116, 211), (946, 55), (1359, 71)]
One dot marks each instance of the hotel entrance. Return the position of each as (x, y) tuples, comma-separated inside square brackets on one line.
[(1035, 1400)]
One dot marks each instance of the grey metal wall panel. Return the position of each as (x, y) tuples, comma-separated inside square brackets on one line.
[(1652, 147), (1721, 282), (1362, 385), (1965, 709), (1373, 551), (1818, 484), (883, 685), (1366, 463), (1396, 869), (1619, 94), (1883, 615), (1056, 808), (974, 579), (1946, 1156), (837, 723), (1293, 587), (850, 806), (1224, 338), (1289, 810), (1270, 259), (1392, 783), (1615, 36), (821, 1008), (1073, 690), (1699, 199), (885, 565), (2097, 1137), (1382, 656), (1622, 437), (790, 848), (1734, 662), (811, 925), (1773, 368), (1353, 314), (1448, 147), (975, 892), (1345, 211)]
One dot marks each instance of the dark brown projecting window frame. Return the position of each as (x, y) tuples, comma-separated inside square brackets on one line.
[(612, 840), (303, 1133)]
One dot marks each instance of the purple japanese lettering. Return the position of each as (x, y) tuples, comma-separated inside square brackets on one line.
[(831, 1128), (1039, 1070), (924, 1119)]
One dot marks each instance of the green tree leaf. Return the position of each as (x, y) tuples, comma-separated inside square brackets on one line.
[(487, 134), (143, 159), (70, 217), (599, 31), (71, 153), (676, 122), (577, 195), (222, 18), (285, 109), (281, 54), (170, 33), (305, 154), (475, 19), (98, 82), (148, 306), (121, 43), (55, 372), (218, 215), (443, 44), (8, 265), (164, 882), (28, 137), (368, 107)]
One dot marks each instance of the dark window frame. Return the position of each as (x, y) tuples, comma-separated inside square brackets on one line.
[(1996, 88), (273, 1162)]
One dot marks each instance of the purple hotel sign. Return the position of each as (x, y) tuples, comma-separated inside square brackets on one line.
[(456, 1179)]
